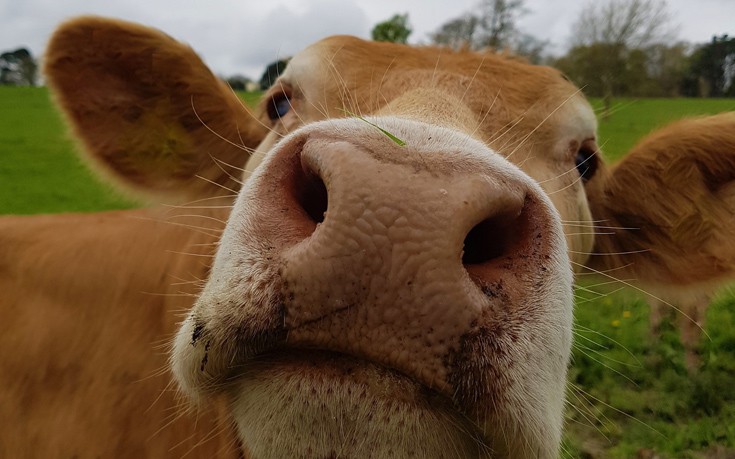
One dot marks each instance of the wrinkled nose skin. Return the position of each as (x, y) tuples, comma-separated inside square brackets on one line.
[(399, 255), (381, 276), (439, 260)]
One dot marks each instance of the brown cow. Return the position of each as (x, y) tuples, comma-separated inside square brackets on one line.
[(682, 251), (391, 283), (90, 302)]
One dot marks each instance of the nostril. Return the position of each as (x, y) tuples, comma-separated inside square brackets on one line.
[(294, 193), (311, 194), (492, 238)]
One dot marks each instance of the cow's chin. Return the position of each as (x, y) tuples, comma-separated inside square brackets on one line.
[(323, 405)]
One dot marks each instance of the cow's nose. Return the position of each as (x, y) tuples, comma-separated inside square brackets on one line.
[(395, 258)]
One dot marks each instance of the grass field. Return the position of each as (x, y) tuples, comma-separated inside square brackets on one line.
[(631, 119), (629, 396), (39, 171)]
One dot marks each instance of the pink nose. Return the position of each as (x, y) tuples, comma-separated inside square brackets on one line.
[(397, 258)]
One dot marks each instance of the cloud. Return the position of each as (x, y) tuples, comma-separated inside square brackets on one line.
[(233, 36), (283, 31), (242, 36)]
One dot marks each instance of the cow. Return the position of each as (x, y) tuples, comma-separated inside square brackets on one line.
[(379, 262), (697, 260)]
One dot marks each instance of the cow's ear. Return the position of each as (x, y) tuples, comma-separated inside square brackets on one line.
[(148, 111), (667, 211)]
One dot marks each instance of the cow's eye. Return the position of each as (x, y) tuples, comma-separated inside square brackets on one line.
[(586, 161), (279, 106)]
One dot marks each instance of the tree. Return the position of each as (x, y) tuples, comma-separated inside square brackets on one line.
[(531, 48), (458, 33), (494, 26), (238, 82), (635, 24), (603, 70), (18, 68), (272, 72), (615, 36), (712, 73), (595, 68), (498, 22), (395, 29), (667, 65)]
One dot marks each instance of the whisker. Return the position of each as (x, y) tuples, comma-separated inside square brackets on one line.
[(634, 287), (474, 76), (584, 349), (189, 254), (579, 327), (609, 270), (600, 362), (593, 416), (538, 126), (201, 230), (198, 207), (581, 300), (198, 201), (205, 217), (217, 184), (608, 254), (379, 92), (237, 180), (253, 116), (239, 169), (236, 145), (487, 112), (584, 225), (587, 394)]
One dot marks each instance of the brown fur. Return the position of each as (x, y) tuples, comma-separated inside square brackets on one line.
[(504, 95), (141, 104), (89, 303), (673, 198), (89, 297)]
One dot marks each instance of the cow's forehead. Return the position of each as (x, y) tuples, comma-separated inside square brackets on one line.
[(366, 74)]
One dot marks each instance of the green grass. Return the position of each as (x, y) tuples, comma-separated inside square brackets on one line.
[(636, 391), (250, 98), (633, 393), (631, 119), (39, 169)]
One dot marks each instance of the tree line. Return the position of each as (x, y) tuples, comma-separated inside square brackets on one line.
[(18, 68), (620, 48)]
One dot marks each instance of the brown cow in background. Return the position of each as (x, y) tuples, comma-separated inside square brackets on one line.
[(388, 284)]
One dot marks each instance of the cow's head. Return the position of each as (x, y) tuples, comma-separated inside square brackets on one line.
[(395, 277), (399, 247)]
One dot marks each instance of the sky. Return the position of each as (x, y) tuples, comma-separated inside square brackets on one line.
[(243, 36)]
